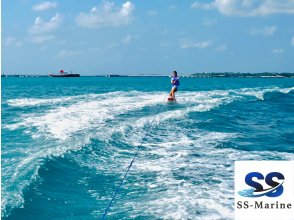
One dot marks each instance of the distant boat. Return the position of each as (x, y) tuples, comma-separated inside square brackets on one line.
[(63, 73)]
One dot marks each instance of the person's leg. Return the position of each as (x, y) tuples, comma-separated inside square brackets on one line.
[(173, 92), (175, 89)]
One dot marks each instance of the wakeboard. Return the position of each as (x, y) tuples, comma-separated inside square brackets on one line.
[(171, 99)]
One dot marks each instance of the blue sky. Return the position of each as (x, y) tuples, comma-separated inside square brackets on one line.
[(95, 37)]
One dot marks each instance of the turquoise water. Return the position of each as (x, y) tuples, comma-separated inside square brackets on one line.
[(66, 144)]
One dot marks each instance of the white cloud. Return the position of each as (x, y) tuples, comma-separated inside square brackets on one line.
[(172, 7), (105, 48), (110, 46), (43, 6), (152, 13), (278, 51), (221, 48), (186, 44), (209, 21), (128, 39), (292, 41), (68, 53), (40, 26), (265, 32), (205, 6), (106, 15), (164, 44), (248, 7), (39, 39), (11, 41)]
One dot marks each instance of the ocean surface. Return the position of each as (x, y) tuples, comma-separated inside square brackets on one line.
[(66, 144)]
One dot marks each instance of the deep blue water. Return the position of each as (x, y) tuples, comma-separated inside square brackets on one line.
[(67, 142)]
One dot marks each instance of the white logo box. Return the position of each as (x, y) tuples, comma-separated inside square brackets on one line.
[(264, 207)]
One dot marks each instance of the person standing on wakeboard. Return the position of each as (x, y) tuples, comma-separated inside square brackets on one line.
[(175, 81)]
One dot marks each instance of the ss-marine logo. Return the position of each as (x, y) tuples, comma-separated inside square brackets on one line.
[(274, 181)]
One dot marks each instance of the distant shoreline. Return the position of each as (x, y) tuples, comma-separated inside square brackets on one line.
[(194, 75)]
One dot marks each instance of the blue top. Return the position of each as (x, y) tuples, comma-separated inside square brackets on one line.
[(176, 80)]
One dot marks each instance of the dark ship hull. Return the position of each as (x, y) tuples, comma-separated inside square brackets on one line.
[(65, 75)]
